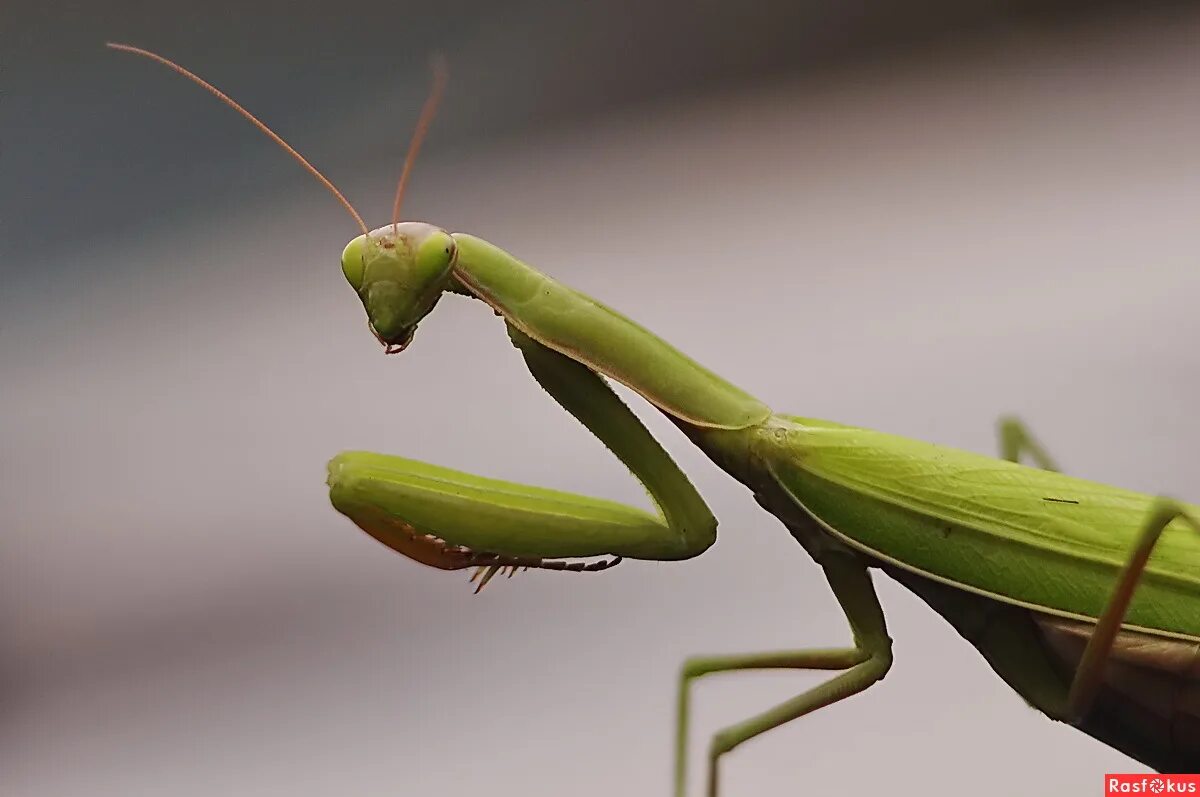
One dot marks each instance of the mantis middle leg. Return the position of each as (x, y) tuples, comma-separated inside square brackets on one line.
[(1016, 439), (866, 662)]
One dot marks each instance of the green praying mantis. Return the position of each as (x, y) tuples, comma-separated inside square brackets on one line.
[(1084, 598)]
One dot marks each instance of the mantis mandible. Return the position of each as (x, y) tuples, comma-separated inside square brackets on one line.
[(1084, 598)]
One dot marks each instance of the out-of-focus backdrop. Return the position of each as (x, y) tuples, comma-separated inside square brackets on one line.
[(910, 215)]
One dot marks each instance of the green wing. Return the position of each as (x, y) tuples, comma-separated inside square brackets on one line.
[(1021, 535)]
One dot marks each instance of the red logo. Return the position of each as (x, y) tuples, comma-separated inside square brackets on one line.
[(1151, 785)]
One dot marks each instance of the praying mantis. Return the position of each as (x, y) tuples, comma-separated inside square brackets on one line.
[(1084, 598)]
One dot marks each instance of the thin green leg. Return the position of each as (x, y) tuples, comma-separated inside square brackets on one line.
[(832, 659), (1090, 674), (1016, 439), (864, 664)]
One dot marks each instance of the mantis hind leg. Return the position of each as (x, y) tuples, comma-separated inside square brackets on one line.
[(1015, 439), (863, 664), (1089, 675)]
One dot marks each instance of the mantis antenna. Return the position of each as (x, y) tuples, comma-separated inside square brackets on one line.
[(428, 110), (225, 98)]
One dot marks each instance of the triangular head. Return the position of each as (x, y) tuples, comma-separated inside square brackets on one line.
[(399, 272)]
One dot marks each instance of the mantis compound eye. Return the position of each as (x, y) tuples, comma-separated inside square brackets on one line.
[(435, 256), (354, 262)]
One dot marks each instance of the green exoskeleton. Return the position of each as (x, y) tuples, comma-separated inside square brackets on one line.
[(1084, 598)]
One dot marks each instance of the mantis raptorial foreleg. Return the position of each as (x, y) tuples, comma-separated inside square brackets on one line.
[(1015, 439), (864, 664), (690, 527), (414, 507)]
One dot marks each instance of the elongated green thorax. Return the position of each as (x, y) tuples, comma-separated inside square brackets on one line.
[(400, 271), (588, 332)]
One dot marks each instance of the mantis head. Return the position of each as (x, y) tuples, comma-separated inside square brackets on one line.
[(399, 272)]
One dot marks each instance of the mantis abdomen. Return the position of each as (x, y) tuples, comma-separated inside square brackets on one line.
[(1150, 702), (1147, 702)]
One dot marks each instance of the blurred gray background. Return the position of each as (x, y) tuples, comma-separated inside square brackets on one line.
[(910, 215)]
